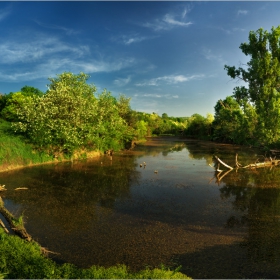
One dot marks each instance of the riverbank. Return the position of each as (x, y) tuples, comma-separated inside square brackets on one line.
[(23, 258)]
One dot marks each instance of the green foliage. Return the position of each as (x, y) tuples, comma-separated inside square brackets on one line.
[(69, 117), (23, 260), (62, 119), (15, 150), (14, 103), (153, 124), (262, 74), (111, 129), (31, 91), (199, 126)]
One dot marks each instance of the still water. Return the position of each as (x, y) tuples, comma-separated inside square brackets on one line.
[(107, 211)]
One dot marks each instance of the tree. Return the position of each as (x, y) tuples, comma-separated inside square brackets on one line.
[(262, 75), (62, 119), (10, 103), (234, 123), (111, 129), (13, 103), (29, 91)]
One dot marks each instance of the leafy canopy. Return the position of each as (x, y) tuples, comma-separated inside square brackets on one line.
[(262, 75)]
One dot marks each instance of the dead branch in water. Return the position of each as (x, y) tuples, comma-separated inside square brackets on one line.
[(224, 164), (266, 163)]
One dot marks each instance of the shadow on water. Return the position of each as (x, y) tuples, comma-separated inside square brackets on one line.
[(105, 211)]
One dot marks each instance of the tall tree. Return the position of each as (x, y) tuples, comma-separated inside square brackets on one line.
[(262, 75)]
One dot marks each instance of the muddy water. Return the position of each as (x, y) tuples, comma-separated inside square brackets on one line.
[(104, 212)]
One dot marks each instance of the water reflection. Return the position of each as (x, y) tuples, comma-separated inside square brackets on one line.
[(106, 212)]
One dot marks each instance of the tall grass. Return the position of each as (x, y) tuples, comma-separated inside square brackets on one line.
[(23, 260), (15, 149)]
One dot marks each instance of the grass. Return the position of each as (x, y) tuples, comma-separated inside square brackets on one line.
[(16, 151), (23, 260)]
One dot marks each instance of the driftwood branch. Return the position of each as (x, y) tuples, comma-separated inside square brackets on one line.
[(268, 162), (224, 164)]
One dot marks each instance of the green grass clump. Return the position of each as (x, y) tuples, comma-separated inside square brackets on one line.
[(15, 150), (23, 260)]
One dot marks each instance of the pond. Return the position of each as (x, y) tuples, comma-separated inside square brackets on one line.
[(173, 211)]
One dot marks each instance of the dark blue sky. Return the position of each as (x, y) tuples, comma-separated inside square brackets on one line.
[(167, 56)]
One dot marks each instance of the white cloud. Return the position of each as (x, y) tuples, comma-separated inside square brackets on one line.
[(4, 13), (127, 40), (242, 12), (14, 52), (45, 57), (168, 22), (171, 21), (209, 55), (184, 13), (131, 39), (122, 81), (68, 31), (172, 79)]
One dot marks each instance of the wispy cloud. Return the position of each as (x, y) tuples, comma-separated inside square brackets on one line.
[(122, 81), (209, 55), (68, 31), (156, 95), (172, 79), (242, 12), (168, 22), (46, 57), (14, 52), (130, 39), (4, 13)]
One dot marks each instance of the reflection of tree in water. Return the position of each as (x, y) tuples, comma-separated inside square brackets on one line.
[(256, 195), (198, 151), (75, 194)]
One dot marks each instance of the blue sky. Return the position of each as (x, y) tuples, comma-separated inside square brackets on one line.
[(168, 57)]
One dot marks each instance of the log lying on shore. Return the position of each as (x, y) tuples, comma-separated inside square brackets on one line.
[(19, 229)]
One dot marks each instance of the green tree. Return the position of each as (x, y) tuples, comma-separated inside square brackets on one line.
[(29, 91), (62, 119), (10, 103), (111, 129), (262, 75)]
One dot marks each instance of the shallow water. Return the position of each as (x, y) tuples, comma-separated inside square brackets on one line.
[(104, 212)]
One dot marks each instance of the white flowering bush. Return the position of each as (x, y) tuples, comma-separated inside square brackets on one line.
[(62, 119), (69, 116)]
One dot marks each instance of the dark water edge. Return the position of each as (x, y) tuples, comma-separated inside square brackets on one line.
[(104, 212)]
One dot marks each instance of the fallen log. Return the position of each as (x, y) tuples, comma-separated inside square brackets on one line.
[(18, 229)]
